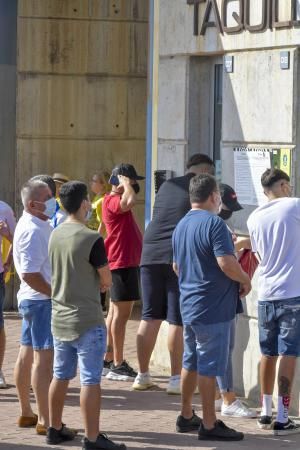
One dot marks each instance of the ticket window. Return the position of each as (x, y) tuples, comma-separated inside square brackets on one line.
[(205, 106)]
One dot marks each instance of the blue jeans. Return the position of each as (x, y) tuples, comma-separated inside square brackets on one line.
[(279, 327), (206, 348), (225, 382), (2, 297), (88, 350), (36, 324)]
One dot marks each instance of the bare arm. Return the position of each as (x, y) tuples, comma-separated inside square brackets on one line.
[(37, 282), (230, 266), (175, 268), (9, 259), (5, 231), (101, 229), (128, 199), (242, 243), (105, 278)]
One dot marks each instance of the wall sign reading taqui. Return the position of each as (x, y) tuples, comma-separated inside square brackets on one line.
[(270, 17)]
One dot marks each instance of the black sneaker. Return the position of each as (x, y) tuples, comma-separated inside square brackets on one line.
[(185, 425), (57, 436), (123, 372), (281, 429), (107, 365), (220, 432), (102, 443), (265, 422)]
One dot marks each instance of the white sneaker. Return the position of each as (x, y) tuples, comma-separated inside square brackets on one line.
[(238, 409), (218, 404), (142, 382), (3, 384), (174, 386)]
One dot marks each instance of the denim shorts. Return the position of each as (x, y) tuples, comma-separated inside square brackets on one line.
[(279, 327), (206, 348), (88, 350), (2, 297), (36, 324)]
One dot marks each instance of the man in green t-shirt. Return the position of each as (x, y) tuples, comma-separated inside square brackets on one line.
[(79, 267)]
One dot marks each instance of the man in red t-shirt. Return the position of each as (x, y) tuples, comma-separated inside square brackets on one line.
[(123, 247)]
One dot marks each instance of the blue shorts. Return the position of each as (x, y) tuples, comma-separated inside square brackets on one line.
[(2, 297), (88, 350), (279, 327), (206, 348), (36, 324), (160, 293)]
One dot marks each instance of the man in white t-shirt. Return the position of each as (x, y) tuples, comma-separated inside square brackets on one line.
[(274, 232), (7, 228), (34, 299)]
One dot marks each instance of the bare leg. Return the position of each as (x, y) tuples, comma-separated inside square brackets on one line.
[(175, 346), (41, 378), (22, 375), (57, 394), (285, 381), (286, 374), (145, 342), (90, 401), (267, 374), (228, 397), (121, 314), (188, 386), (2, 346), (207, 388), (109, 356)]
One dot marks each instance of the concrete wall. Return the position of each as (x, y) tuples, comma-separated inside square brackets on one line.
[(81, 104), (8, 38), (260, 107), (8, 35), (81, 80)]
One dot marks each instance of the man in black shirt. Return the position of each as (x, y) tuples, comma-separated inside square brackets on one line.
[(159, 283)]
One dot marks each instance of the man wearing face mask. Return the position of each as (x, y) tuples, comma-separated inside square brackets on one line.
[(226, 401), (210, 282), (30, 250), (123, 246)]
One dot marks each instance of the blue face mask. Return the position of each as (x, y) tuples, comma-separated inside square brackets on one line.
[(50, 207)]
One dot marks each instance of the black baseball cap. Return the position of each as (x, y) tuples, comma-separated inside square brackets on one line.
[(229, 197), (128, 171)]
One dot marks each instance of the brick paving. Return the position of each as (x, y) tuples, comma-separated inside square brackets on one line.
[(143, 420)]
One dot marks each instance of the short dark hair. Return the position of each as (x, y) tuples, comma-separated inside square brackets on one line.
[(72, 195), (271, 176), (48, 180), (199, 158), (201, 187)]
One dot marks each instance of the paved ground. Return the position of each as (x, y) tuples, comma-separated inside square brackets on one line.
[(141, 420)]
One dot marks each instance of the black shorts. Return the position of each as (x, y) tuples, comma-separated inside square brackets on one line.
[(160, 293), (125, 284)]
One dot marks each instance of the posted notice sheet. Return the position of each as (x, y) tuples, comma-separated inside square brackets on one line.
[(249, 165)]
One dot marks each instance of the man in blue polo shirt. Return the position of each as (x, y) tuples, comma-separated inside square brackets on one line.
[(210, 282)]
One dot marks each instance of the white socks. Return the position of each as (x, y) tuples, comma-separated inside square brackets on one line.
[(266, 409), (283, 409)]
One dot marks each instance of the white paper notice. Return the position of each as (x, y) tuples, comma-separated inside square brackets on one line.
[(249, 165)]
